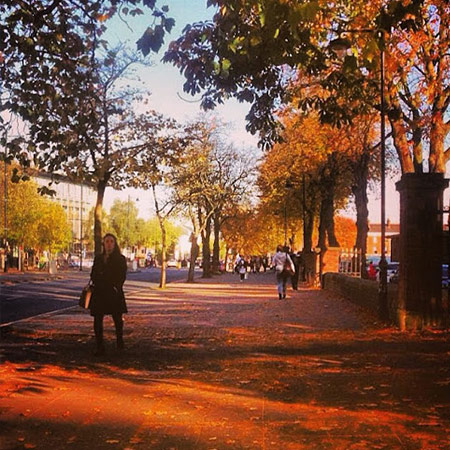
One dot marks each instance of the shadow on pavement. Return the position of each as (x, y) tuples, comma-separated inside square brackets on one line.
[(228, 369)]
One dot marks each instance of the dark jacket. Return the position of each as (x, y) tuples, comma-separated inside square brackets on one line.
[(108, 278)]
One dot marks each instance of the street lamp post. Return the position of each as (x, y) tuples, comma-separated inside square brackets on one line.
[(5, 223), (128, 223), (288, 185), (81, 226), (339, 46)]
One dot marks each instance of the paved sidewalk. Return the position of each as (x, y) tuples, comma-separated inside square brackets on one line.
[(16, 277), (220, 364)]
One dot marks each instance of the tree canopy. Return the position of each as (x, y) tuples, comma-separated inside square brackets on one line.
[(33, 221), (253, 50)]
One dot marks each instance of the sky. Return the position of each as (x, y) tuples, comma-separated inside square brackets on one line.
[(167, 97), (166, 86)]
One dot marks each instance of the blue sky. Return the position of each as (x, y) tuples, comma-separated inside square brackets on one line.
[(165, 82)]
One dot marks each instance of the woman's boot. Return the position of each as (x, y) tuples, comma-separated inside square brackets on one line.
[(98, 330), (118, 323)]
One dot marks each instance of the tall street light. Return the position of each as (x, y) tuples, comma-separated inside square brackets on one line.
[(81, 225), (128, 221), (287, 186), (340, 46), (5, 210)]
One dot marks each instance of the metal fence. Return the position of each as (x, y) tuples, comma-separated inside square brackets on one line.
[(350, 261)]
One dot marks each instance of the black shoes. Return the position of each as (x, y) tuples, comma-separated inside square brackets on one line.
[(280, 296)]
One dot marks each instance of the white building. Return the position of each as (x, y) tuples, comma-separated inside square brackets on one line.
[(77, 199)]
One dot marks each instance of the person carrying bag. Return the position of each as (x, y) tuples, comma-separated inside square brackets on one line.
[(108, 276), (284, 268)]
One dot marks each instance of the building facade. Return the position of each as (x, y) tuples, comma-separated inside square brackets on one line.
[(374, 238), (77, 200)]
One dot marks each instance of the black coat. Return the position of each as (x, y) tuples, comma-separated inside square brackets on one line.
[(108, 278)]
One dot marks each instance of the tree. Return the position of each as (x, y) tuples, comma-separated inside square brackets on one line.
[(210, 179), (33, 221), (53, 229), (306, 175), (191, 183), (151, 236), (231, 182), (247, 51), (151, 168), (47, 51), (52, 79), (415, 43), (124, 223)]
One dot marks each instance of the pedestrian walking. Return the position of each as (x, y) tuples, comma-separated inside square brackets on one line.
[(371, 271), (294, 278), (242, 269), (284, 267), (108, 276)]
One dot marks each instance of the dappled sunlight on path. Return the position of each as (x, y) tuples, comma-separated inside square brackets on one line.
[(212, 366)]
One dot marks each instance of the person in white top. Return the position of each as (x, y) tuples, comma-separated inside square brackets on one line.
[(284, 268)]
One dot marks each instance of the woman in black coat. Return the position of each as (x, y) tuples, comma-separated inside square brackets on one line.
[(108, 275)]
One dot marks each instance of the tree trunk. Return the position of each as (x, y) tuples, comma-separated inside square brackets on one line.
[(193, 258), (206, 248), (329, 216), (359, 189), (308, 231), (417, 136), (400, 138), (326, 224), (162, 276), (101, 186), (216, 247), (437, 140), (322, 242), (226, 258), (329, 200)]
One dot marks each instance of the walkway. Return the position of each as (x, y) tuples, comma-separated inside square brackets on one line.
[(225, 365)]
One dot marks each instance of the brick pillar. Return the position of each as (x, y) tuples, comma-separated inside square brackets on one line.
[(419, 299), (330, 260)]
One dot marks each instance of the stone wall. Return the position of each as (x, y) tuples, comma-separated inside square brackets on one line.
[(357, 290)]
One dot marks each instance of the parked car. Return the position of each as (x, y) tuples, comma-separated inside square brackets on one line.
[(172, 263), (445, 281), (444, 277), (394, 277), (392, 269)]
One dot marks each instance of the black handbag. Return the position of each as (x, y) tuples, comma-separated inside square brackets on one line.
[(85, 297)]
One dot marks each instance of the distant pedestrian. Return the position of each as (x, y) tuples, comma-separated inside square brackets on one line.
[(242, 268), (265, 263), (294, 278), (108, 276), (284, 267), (371, 271)]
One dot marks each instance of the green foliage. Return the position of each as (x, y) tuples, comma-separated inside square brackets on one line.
[(47, 78), (33, 221), (53, 229), (151, 234), (123, 221), (256, 50)]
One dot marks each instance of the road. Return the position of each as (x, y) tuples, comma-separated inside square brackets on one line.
[(28, 299)]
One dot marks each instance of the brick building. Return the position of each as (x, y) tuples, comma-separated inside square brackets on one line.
[(374, 237)]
